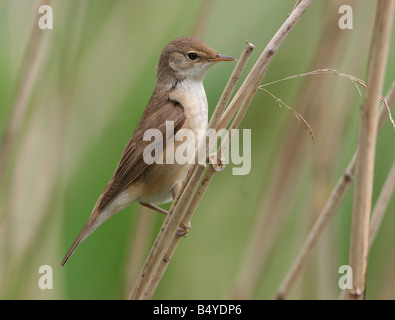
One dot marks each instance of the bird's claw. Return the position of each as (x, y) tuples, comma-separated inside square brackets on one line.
[(183, 230)]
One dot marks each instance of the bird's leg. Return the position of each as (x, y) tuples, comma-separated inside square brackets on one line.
[(154, 207), (182, 231)]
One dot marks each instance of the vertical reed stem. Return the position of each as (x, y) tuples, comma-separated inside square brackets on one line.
[(359, 244)]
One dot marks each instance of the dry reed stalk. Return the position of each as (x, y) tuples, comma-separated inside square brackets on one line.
[(35, 54), (159, 256), (216, 165), (205, 12), (359, 242), (322, 221), (327, 212), (379, 210), (139, 241)]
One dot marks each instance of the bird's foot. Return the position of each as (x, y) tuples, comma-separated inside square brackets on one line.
[(183, 230)]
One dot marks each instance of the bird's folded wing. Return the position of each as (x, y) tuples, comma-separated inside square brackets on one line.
[(132, 163)]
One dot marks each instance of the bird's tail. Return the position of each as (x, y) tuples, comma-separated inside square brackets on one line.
[(95, 220), (85, 232)]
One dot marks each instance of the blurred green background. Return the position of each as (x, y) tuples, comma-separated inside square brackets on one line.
[(72, 96)]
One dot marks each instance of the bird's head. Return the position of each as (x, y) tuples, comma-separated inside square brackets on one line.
[(187, 57)]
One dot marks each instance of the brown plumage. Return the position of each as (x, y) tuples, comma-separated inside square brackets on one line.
[(178, 97)]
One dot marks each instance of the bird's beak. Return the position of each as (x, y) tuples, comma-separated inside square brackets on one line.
[(221, 57)]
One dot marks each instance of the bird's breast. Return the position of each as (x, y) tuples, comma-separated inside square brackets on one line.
[(192, 96)]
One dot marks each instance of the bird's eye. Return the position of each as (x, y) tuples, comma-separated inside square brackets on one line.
[(192, 55)]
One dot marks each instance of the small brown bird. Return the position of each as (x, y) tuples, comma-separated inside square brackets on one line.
[(178, 97)]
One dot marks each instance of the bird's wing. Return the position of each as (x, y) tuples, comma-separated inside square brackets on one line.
[(132, 163)]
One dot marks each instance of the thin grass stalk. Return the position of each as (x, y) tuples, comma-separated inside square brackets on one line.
[(215, 167), (327, 213), (322, 221), (259, 69), (202, 188), (359, 242), (216, 120), (230, 86), (219, 109), (382, 204), (205, 182), (152, 271)]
